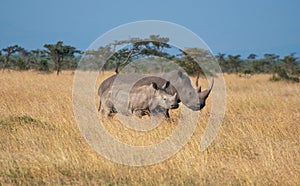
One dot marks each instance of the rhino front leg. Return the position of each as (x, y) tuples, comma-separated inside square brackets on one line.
[(167, 115), (141, 112)]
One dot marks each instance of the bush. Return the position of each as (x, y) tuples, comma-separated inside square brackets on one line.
[(44, 65), (281, 74), (21, 65), (275, 78), (294, 79)]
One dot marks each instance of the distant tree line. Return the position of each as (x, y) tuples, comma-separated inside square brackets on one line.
[(57, 57), (286, 68), (54, 57)]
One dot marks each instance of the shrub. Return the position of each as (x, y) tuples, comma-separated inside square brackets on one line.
[(281, 74), (294, 79), (44, 65)]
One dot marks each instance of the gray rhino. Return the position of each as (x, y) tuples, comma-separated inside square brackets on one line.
[(142, 100)]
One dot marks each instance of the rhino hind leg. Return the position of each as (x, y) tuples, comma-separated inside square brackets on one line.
[(108, 111)]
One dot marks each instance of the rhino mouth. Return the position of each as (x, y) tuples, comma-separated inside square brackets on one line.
[(175, 106), (195, 108)]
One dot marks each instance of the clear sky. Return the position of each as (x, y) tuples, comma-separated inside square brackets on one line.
[(227, 26)]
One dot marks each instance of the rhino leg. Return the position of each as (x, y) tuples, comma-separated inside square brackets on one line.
[(99, 106), (108, 111), (167, 115), (146, 112), (141, 112), (159, 110)]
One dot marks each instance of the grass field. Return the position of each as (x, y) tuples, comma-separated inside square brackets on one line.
[(40, 143)]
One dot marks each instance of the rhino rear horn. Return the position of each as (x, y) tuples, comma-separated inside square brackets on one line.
[(204, 94), (175, 95)]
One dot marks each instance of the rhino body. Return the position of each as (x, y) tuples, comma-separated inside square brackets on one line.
[(146, 99), (142, 100)]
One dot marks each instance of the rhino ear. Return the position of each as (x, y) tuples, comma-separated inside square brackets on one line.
[(166, 85), (154, 85)]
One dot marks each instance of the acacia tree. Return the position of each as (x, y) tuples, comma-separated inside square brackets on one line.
[(99, 56), (25, 59), (222, 61), (9, 51), (136, 47), (290, 63), (58, 52), (39, 59), (252, 56), (190, 58), (235, 62)]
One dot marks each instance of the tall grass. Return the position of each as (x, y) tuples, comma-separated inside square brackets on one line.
[(40, 142)]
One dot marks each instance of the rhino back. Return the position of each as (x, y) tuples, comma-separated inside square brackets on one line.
[(106, 84), (158, 80)]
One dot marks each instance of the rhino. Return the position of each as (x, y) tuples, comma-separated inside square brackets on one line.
[(194, 99), (143, 100), (160, 82)]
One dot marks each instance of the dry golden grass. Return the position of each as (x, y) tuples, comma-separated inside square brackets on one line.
[(258, 143)]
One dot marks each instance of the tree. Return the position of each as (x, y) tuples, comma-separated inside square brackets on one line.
[(221, 57), (59, 52), (39, 60), (271, 60), (252, 56), (9, 51), (290, 63), (190, 59), (135, 48), (235, 62), (24, 60), (99, 56), (222, 61)]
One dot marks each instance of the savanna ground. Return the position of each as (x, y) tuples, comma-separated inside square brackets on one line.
[(40, 143)]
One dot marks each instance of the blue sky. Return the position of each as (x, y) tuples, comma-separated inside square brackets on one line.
[(228, 26)]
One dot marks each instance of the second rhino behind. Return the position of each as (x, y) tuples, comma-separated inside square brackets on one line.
[(142, 100)]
